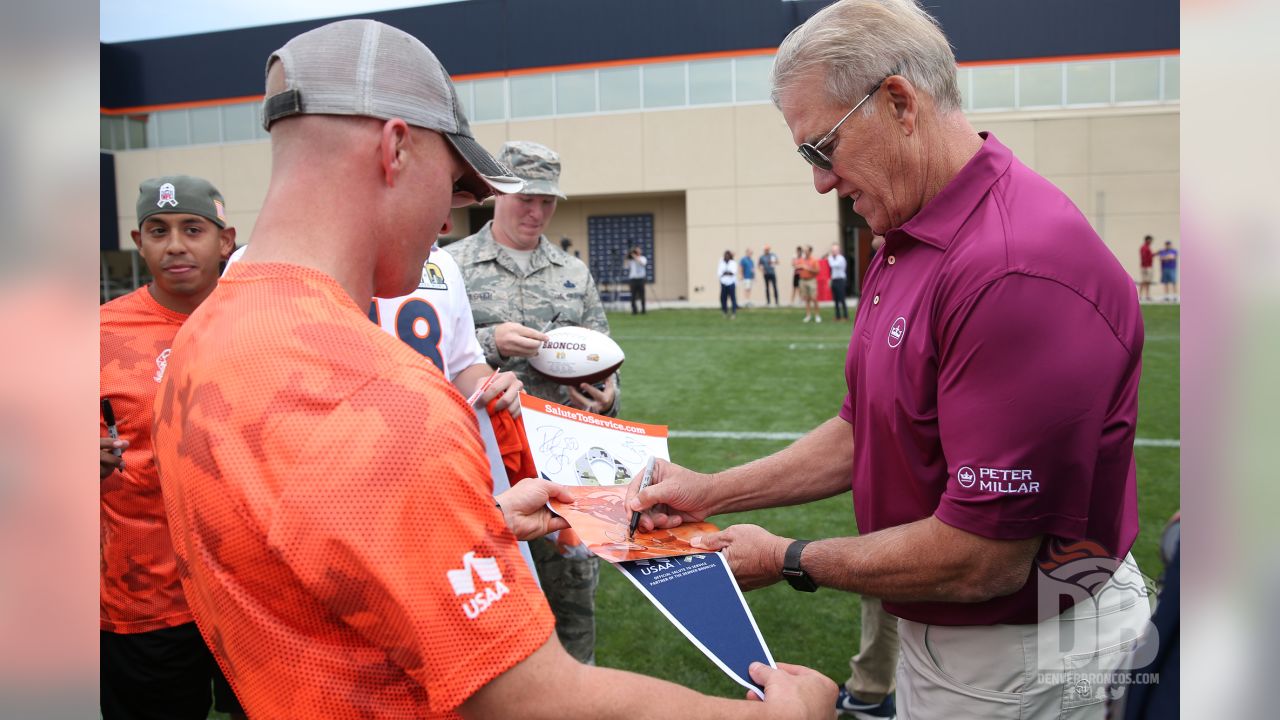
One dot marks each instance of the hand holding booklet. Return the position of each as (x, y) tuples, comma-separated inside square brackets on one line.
[(603, 459)]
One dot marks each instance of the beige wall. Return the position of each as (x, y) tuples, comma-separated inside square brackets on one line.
[(728, 178)]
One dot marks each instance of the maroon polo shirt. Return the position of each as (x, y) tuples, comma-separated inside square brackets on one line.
[(993, 378)]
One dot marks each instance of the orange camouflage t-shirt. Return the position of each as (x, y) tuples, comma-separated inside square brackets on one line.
[(140, 588), (332, 510)]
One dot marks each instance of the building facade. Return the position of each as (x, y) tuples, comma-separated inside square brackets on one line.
[(660, 111)]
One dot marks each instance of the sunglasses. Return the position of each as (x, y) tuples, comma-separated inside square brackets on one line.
[(812, 153)]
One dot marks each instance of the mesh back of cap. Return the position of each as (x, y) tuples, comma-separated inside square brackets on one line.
[(361, 67)]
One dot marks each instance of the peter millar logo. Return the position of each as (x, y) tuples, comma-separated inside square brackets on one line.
[(168, 196), (463, 583), (966, 476), (896, 331)]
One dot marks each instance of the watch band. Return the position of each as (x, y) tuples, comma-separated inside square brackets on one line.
[(791, 570)]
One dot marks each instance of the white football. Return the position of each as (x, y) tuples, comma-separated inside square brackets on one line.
[(575, 355)]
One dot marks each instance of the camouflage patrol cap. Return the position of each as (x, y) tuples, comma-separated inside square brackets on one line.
[(181, 194), (537, 165)]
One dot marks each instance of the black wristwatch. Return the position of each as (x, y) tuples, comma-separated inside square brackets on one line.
[(791, 570)]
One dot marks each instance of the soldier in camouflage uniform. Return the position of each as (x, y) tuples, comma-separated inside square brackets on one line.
[(519, 284)]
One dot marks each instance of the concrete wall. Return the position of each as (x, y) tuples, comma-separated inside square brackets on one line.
[(728, 178)]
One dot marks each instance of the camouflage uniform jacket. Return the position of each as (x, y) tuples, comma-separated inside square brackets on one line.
[(557, 286)]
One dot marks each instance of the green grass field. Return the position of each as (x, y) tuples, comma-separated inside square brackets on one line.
[(767, 371)]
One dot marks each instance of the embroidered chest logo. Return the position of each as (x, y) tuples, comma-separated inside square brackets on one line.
[(162, 362), (463, 582), (897, 331), (168, 196)]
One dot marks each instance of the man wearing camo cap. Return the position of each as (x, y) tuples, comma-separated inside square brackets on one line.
[(519, 284)]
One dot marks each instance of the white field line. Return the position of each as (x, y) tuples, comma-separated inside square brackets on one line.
[(726, 435)]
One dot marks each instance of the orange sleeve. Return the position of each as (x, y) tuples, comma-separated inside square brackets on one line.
[(517, 457), (418, 560)]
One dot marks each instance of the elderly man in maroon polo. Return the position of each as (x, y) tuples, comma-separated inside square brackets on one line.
[(988, 428)]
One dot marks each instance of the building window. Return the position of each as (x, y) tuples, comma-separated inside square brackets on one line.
[(752, 81), (1171, 78), (238, 122), (135, 131), (619, 88), (575, 92), (106, 124), (993, 87), (1040, 84), (1088, 83), (172, 128), (664, 85), (491, 101), (1138, 80), (710, 81), (531, 96), (206, 125)]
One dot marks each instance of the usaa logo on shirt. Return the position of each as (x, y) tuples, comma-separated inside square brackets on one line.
[(463, 582), (432, 278)]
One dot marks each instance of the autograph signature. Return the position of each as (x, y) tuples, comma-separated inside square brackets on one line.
[(557, 445)]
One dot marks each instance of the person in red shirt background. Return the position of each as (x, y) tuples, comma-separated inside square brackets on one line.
[(154, 664), (1146, 259)]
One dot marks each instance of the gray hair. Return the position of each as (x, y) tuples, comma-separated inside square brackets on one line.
[(857, 43)]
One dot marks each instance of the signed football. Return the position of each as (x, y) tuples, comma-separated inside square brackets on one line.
[(575, 355)]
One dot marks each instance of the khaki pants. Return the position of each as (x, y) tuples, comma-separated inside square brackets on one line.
[(1056, 669), (871, 671)]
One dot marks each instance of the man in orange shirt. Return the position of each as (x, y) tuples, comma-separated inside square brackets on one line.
[(154, 664), (807, 269), (328, 496)]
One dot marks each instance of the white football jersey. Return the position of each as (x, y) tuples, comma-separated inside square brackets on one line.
[(436, 318)]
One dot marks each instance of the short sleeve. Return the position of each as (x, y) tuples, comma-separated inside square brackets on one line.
[(1028, 373), (464, 348), (389, 522)]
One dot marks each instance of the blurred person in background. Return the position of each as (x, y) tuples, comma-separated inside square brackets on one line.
[(748, 273), (728, 274), (1146, 259), (807, 269), (637, 269), (769, 268), (839, 279), (1169, 271)]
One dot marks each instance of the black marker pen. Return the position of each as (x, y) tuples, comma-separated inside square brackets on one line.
[(109, 416)]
